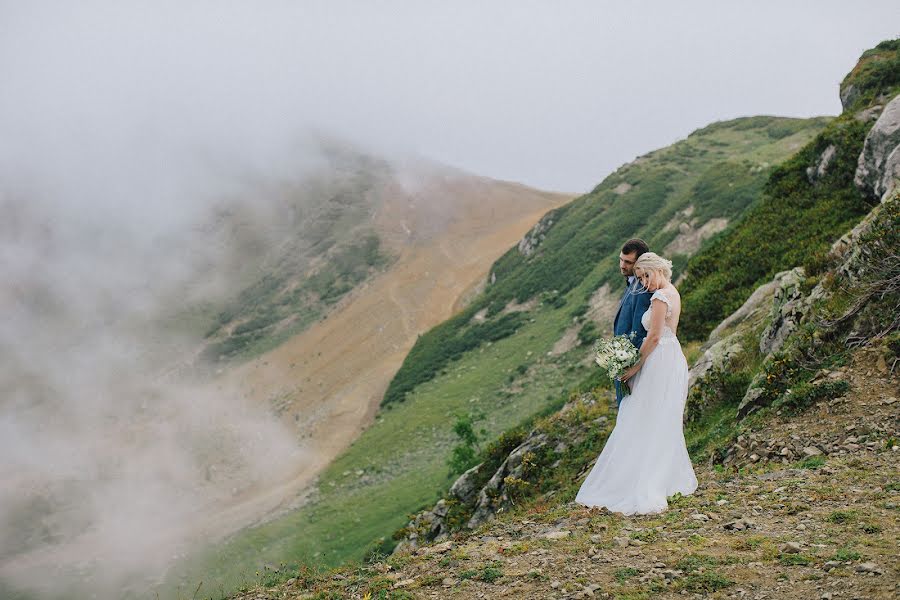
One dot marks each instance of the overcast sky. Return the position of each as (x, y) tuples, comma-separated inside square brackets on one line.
[(553, 94)]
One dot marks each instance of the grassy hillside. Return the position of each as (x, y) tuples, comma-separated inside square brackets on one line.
[(499, 366), (715, 173), (799, 215), (794, 528)]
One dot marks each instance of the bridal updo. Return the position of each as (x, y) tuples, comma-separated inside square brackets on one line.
[(652, 262)]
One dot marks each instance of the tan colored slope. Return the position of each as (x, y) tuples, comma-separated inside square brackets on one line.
[(328, 381)]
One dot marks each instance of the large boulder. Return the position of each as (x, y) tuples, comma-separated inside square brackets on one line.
[(848, 95), (465, 488), (878, 169), (788, 308), (492, 496)]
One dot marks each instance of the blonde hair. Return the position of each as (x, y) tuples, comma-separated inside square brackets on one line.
[(651, 261)]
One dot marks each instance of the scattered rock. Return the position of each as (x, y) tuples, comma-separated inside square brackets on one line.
[(700, 517), (791, 548), (869, 567), (404, 583), (740, 524), (436, 549), (672, 573)]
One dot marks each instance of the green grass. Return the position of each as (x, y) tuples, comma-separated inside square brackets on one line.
[(842, 516), (625, 573), (708, 581), (844, 554)]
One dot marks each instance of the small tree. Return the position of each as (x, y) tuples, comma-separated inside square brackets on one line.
[(465, 454)]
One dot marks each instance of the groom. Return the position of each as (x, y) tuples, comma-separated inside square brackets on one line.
[(634, 301)]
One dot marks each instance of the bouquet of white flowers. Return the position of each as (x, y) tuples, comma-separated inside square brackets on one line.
[(616, 355)]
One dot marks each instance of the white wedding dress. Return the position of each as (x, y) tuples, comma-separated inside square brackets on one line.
[(645, 458)]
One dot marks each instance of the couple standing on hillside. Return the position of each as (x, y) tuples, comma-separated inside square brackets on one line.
[(645, 458)]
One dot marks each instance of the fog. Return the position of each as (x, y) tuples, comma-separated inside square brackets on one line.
[(125, 127)]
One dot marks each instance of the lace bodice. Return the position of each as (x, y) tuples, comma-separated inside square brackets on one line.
[(671, 315)]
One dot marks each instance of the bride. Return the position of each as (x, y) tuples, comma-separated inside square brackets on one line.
[(645, 458)]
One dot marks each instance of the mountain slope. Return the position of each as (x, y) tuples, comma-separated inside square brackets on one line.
[(674, 197), (797, 498), (500, 366), (797, 383), (808, 202), (792, 528)]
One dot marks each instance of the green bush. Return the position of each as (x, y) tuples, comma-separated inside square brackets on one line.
[(588, 333), (877, 73), (443, 344), (464, 456), (716, 388)]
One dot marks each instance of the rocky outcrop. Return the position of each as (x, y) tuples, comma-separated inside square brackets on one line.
[(779, 304), (529, 243), (486, 500), (465, 488), (783, 306), (878, 169), (817, 171), (471, 501), (849, 95), (789, 305), (690, 237), (493, 495), (865, 263), (869, 114), (724, 345)]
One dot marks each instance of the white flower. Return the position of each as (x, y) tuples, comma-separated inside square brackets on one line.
[(615, 355)]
